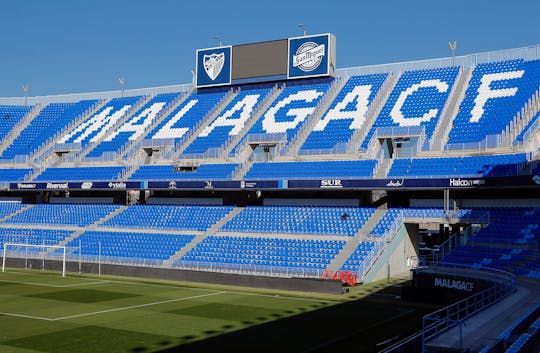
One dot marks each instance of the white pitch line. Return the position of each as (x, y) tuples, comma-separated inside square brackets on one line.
[(27, 316), (55, 285), (210, 290), (135, 306), (109, 310)]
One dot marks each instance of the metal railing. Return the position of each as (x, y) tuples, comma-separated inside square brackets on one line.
[(442, 320)]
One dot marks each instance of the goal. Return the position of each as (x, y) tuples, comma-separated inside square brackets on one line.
[(34, 251)]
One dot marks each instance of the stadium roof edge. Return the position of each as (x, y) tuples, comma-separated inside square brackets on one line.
[(528, 53)]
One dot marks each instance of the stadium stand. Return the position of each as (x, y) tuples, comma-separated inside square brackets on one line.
[(50, 120), (325, 169), (168, 217), (139, 246), (263, 254), (99, 173), (10, 115), (344, 221), (229, 123), (297, 102), (509, 242), (345, 114), (135, 126), (417, 100), (492, 165), (96, 126), (170, 172), (63, 214), (186, 117), (496, 93)]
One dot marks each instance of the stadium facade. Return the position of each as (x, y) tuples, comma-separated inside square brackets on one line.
[(286, 167)]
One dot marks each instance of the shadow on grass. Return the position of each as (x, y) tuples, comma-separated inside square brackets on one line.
[(358, 324)]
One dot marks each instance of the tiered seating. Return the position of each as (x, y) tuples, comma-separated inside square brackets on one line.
[(358, 256), (13, 174), (263, 254), (346, 113), (134, 127), (344, 221), (47, 124), (9, 207), (491, 104), (509, 242), (81, 174), (99, 124), (290, 110), (312, 170), (10, 115), (386, 222), (175, 217), (533, 121), (168, 172), (63, 214), (33, 236), (125, 245), (489, 165), (428, 92), (187, 116), (229, 123)]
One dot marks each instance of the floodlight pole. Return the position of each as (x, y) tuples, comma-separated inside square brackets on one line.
[(216, 37), (122, 82), (301, 26), (453, 46), (25, 88)]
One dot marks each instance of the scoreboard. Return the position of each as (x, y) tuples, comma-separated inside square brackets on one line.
[(292, 58)]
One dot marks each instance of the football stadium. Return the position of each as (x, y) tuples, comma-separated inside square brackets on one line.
[(278, 203)]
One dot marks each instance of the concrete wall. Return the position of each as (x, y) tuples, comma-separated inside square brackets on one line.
[(395, 259), (314, 285)]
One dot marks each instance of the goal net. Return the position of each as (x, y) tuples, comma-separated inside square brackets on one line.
[(35, 255)]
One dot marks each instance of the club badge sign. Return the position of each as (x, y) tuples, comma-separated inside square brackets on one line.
[(214, 66), (311, 56)]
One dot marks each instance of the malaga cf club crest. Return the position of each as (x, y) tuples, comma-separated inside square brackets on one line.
[(214, 66)]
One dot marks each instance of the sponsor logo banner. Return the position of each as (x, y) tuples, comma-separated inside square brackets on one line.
[(310, 56), (214, 66)]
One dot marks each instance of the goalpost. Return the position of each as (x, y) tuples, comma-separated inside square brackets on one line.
[(43, 248)]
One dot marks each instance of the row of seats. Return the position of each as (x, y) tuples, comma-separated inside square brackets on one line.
[(198, 218), (489, 165), (49, 122), (135, 126), (312, 170), (80, 215), (263, 254), (81, 173), (343, 221), (171, 172)]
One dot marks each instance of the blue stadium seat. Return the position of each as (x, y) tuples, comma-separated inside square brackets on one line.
[(416, 101), (497, 91), (345, 114)]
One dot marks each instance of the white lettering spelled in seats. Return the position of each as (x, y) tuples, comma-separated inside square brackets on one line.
[(270, 125), (361, 94), (101, 122), (398, 117), (168, 131), (138, 123), (244, 106), (485, 92)]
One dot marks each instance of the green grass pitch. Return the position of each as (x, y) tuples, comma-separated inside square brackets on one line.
[(48, 313)]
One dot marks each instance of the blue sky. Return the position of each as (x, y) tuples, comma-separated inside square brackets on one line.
[(71, 46)]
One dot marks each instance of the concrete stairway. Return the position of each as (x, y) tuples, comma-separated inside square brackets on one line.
[(352, 244), (199, 238)]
